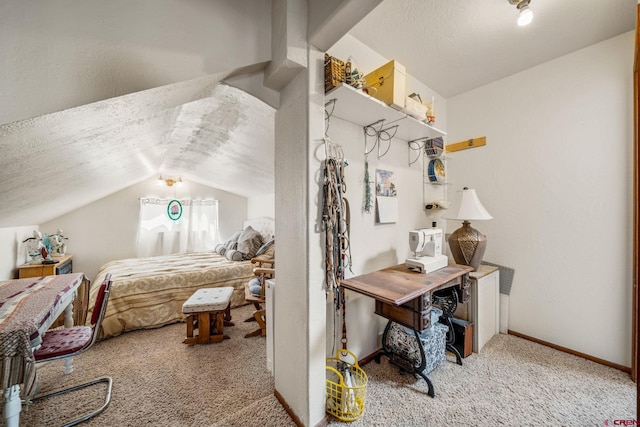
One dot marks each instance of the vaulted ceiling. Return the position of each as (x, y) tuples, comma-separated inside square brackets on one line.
[(202, 130), (213, 133)]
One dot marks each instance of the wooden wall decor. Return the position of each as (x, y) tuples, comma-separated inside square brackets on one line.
[(469, 143)]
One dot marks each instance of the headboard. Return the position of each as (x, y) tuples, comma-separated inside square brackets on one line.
[(264, 225)]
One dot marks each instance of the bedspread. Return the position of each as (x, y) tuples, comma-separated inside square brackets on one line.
[(149, 292)]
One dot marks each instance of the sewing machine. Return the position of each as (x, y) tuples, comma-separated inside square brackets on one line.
[(426, 244)]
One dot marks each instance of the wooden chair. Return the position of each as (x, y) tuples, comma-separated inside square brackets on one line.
[(69, 342), (264, 269)]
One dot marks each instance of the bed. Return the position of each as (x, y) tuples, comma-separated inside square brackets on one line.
[(149, 292)]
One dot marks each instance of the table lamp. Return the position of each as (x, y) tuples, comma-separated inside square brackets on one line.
[(467, 244)]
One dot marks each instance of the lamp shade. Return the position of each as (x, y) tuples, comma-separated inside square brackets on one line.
[(467, 207)]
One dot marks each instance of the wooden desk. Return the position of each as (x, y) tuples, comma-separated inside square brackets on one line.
[(27, 308), (405, 297)]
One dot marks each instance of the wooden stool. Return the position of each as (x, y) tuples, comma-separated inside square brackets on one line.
[(208, 310)]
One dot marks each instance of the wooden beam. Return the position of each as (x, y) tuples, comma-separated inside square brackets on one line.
[(469, 143)]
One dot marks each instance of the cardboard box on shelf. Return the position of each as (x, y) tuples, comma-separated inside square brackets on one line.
[(388, 84)]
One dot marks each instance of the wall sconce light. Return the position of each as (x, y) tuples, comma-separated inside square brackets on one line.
[(526, 15), (170, 181)]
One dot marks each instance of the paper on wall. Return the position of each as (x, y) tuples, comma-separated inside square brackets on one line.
[(387, 209)]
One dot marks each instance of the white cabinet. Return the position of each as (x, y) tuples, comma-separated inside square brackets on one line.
[(484, 307)]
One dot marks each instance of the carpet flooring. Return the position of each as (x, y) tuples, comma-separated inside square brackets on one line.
[(158, 381)]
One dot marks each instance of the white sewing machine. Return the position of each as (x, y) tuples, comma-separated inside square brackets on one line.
[(426, 244)]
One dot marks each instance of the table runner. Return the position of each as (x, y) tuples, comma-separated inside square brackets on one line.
[(27, 308)]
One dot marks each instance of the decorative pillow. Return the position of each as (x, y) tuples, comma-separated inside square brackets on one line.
[(265, 246), (232, 243), (269, 254), (221, 249), (249, 242), (234, 255)]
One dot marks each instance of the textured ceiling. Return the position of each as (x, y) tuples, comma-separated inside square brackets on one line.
[(221, 136), (454, 46), (195, 129)]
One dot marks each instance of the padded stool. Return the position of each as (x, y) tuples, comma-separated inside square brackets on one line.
[(208, 310)]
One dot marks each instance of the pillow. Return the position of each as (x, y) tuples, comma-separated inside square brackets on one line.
[(267, 251), (234, 255), (265, 246), (249, 242), (232, 243)]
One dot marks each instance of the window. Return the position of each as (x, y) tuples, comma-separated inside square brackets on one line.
[(163, 229)]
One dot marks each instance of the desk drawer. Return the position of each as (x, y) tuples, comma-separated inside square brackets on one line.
[(416, 320), (419, 304)]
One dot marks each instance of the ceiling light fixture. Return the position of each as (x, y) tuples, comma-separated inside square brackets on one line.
[(526, 15), (169, 181)]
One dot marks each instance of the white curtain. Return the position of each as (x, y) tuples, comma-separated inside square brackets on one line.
[(195, 230)]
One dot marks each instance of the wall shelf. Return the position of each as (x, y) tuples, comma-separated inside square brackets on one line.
[(355, 106)]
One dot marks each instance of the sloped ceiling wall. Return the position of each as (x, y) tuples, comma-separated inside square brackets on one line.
[(201, 130), (103, 95)]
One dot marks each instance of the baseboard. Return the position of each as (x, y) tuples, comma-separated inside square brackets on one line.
[(287, 408), (569, 351), (622, 368), (368, 358), (293, 416)]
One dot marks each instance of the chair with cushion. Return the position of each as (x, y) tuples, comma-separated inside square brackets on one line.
[(69, 342), (254, 292)]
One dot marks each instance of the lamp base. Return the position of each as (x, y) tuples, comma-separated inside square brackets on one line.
[(467, 245)]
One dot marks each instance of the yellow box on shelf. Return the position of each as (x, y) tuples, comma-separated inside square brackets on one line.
[(388, 84)]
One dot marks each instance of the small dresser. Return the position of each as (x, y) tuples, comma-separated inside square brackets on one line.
[(64, 266)]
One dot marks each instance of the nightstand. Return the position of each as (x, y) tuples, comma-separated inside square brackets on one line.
[(64, 266)]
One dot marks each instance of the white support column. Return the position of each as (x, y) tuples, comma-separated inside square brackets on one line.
[(300, 302)]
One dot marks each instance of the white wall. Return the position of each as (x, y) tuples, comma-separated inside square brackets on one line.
[(106, 230), (261, 206), (12, 250), (375, 246), (556, 175)]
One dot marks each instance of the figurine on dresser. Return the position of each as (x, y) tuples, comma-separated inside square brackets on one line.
[(59, 244), (41, 247)]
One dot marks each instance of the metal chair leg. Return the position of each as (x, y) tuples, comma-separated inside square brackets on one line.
[(107, 399)]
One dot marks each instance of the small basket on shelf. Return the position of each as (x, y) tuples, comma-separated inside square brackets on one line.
[(334, 72), (346, 386), (434, 147)]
